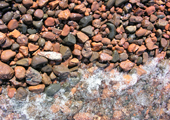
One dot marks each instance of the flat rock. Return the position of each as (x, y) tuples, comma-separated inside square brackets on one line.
[(51, 55), (23, 62), (37, 89), (52, 89), (6, 55), (88, 30), (69, 40), (33, 77), (127, 65), (82, 37)]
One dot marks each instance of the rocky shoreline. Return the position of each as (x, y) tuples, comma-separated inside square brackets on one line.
[(45, 43)]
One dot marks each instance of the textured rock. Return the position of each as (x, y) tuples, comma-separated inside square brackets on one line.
[(61, 71), (105, 57), (127, 65), (6, 72), (21, 93), (52, 89), (20, 72), (65, 51), (33, 77), (37, 89), (82, 37), (6, 55), (38, 61), (23, 62), (51, 55), (69, 40)]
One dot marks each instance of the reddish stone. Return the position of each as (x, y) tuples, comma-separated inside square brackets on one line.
[(96, 46), (105, 57), (33, 37), (76, 52), (6, 72), (15, 34), (141, 32), (80, 8), (66, 30), (83, 116), (20, 72), (42, 3), (32, 47), (48, 46), (97, 38), (94, 6), (53, 4), (49, 22), (24, 50), (56, 47), (2, 38), (82, 37), (106, 41), (13, 24), (49, 36), (141, 50), (6, 55), (11, 92), (38, 13), (64, 15), (127, 65), (150, 10), (75, 16)]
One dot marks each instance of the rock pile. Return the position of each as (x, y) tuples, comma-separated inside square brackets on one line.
[(44, 42)]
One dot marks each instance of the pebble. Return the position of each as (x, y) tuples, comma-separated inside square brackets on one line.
[(6, 55), (13, 24), (37, 24), (42, 3), (21, 93), (96, 23), (69, 40), (15, 46), (87, 51), (27, 3), (140, 32), (123, 56), (22, 28), (23, 62), (48, 46), (105, 57), (88, 30), (11, 92), (24, 50), (61, 71), (115, 56), (27, 19), (127, 65), (2, 38), (161, 23), (153, 18), (150, 10), (33, 77), (22, 9), (82, 37), (37, 88), (22, 40), (112, 29), (64, 15), (131, 29), (3, 4), (32, 47), (49, 22), (20, 72), (46, 79), (95, 6), (38, 14), (49, 36), (119, 2), (164, 42), (85, 21), (76, 16), (97, 38), (33, 37), (41, 42), (65, 51), (51, 55), (7, 17), (135, 19), (66, 30), (38, 61), (47, 69), (52, 89), (6, 72)]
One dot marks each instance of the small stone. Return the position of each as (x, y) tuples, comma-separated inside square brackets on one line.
[(15, 46), (22, 40), (41, 42), (46, 79), (49, 22), (7, 17), (65, 51), (31, 31), (106, 41), (20, 72), (23, 62), (131, 47), (115, 56), (66, 30), (27, 3), (21, 93), (6, 72), (61, 71), (38, 14), (97, 38), (161, 23), (141, 49), (47, 69), (164, 42), (153, 18), (13, 24), (96, 23), (24, 50), (127, 65), (69, 40), (3, 4), (75, 16), (150, 10), (52, 89), (2, 38), (33, 77), (64, 15), (82, 37), (6, 55), (135, 19), (15, 34), (123, 56), (141, 32), (87, 52), (27, 19), (53, 4), (145, 57), (32, 47), (63, 4), (85, 21), (88, 30), (105, 57), (37, 24), (51, 55), (33, 37), (48, 46), (94, 6), (38, 61), (11, 92), (96, 46), (37, 89), (22, 28), (131, 29), (49, 36), (42, 3)]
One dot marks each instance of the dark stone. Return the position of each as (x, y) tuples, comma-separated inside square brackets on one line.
[(65, 51), (38, 61), (85, 21), (115, 56), (52, 89), (21, 93), (23, 62), (69, 40)]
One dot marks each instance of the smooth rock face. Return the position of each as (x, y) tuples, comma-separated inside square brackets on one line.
[(61, 71), (6, 55), (33, 77), (119, 2), (127, 65), (38, 61), (23, 62), (13, 24), (82, 37), (20, 72), (65, 51), (52, 89), (88, 30), (37, 89), (6, 72), (51, 55)]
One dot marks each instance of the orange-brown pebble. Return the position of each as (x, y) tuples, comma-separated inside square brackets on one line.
[(6, 55), (13, 24), (11, 92), (66, 30), (82, 37), (19, 72), (32, 47), (15, 34), (24, 50), (64, 15), (127, 65), (49, 22), (37, 89)]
